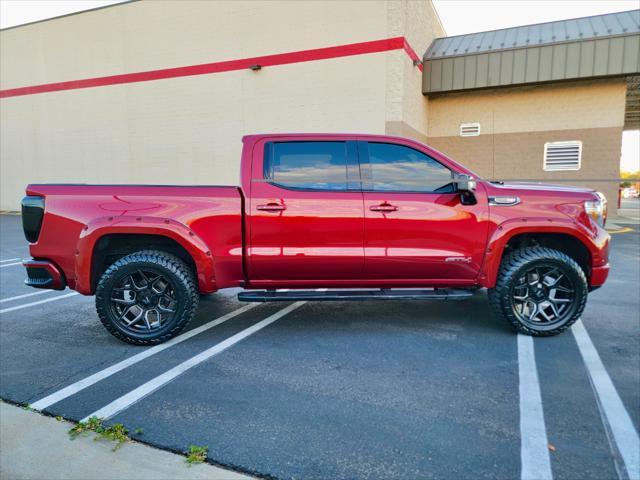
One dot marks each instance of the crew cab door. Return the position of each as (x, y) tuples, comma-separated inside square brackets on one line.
[(306, 214), (416, 226)]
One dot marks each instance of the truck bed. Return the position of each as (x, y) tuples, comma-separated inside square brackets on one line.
[(209, 216)]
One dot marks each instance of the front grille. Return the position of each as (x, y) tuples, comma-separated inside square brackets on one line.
[(32, 214)]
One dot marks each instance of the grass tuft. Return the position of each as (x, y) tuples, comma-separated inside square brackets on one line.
[(117, 432), (196, 454)]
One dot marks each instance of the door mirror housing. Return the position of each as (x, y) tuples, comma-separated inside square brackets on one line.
[(466, 185), (464, 182)]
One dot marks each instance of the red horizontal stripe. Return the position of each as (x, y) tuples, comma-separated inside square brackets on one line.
[(412, 54), (361, 48)]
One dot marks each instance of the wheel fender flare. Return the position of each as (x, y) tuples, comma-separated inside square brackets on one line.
[(510, 228), (182, 234)]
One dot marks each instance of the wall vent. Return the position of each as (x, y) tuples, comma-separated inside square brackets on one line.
[(562, 156), (469, 129)]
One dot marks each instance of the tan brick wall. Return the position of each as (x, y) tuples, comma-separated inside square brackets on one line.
[(519, 156), (562, 106), (515, 123)]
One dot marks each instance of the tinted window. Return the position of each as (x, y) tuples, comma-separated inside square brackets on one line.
[(307, 165), (402, 169)]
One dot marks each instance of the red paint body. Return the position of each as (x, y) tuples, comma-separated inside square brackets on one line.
[(314, 239)]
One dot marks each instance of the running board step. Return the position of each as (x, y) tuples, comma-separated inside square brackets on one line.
[(357, 295)]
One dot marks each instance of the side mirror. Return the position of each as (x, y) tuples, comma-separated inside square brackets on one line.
[(465, 183)]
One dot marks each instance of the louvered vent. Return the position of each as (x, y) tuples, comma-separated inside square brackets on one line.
[(559, 156), (469, 129)]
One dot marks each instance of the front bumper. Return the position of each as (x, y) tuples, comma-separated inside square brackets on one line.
[(599, 275), (44, 274)]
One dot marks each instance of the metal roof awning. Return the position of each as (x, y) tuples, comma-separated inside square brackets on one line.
[(580, 48)]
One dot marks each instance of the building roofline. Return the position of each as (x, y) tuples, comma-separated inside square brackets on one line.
[(535, 45), (79, 12), (536, 24)]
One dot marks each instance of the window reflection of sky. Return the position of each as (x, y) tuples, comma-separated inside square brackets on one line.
[(399, 168), (311, 172), (321, 165)]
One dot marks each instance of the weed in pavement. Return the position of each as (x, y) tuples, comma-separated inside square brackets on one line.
[(115, 433), (196, 454)]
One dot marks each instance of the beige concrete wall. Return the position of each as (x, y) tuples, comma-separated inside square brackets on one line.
[(516, 123), (152, 34), (188, 130), (407, 110), (183, 130)]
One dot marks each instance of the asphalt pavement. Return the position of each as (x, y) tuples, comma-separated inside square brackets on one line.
[(346, 390)]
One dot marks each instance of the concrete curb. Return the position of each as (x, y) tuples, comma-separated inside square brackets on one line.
[(33, 446)]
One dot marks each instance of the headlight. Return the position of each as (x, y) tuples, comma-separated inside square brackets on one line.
[(597, 209)]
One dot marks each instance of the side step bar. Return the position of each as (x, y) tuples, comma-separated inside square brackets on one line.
[(358, 295)]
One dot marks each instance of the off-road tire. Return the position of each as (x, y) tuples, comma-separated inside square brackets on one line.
[(174, 269), (512, 267)]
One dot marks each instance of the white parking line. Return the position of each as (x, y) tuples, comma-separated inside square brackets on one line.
[(18, 297), (612, 410), (151, 386), (9, 260), (107, 372), (20, 307), (534, 448), (10, 264)]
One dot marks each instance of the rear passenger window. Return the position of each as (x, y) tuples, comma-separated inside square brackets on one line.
[(307, 165), (396, 168)]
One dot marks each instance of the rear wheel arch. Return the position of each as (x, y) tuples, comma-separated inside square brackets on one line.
[(171, 233), (111, 247)]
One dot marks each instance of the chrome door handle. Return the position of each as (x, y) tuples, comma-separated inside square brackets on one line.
[(385, 207), (272, 207)]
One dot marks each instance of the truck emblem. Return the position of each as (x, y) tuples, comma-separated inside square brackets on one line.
[(458, 259)]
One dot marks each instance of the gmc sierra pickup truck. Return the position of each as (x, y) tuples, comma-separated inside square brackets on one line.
[(317, 217)]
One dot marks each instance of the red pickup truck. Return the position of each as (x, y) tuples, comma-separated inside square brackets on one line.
[(386, 215)]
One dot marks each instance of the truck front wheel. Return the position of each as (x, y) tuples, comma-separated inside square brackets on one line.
[(147, 297), (539, 291)]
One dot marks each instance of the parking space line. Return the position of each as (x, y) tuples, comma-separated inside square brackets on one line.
[(10, 264), (9, 260), (151, 386), (107, 372), (534, 447), (612, 410), (18, 297), (25, 305)]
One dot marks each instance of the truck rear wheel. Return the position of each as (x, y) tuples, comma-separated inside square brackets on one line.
[(539, 291), (147, 297)]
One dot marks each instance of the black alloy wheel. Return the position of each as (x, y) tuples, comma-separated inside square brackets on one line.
[(147, 297), (143, 301), (539, 291), (543, 296)]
